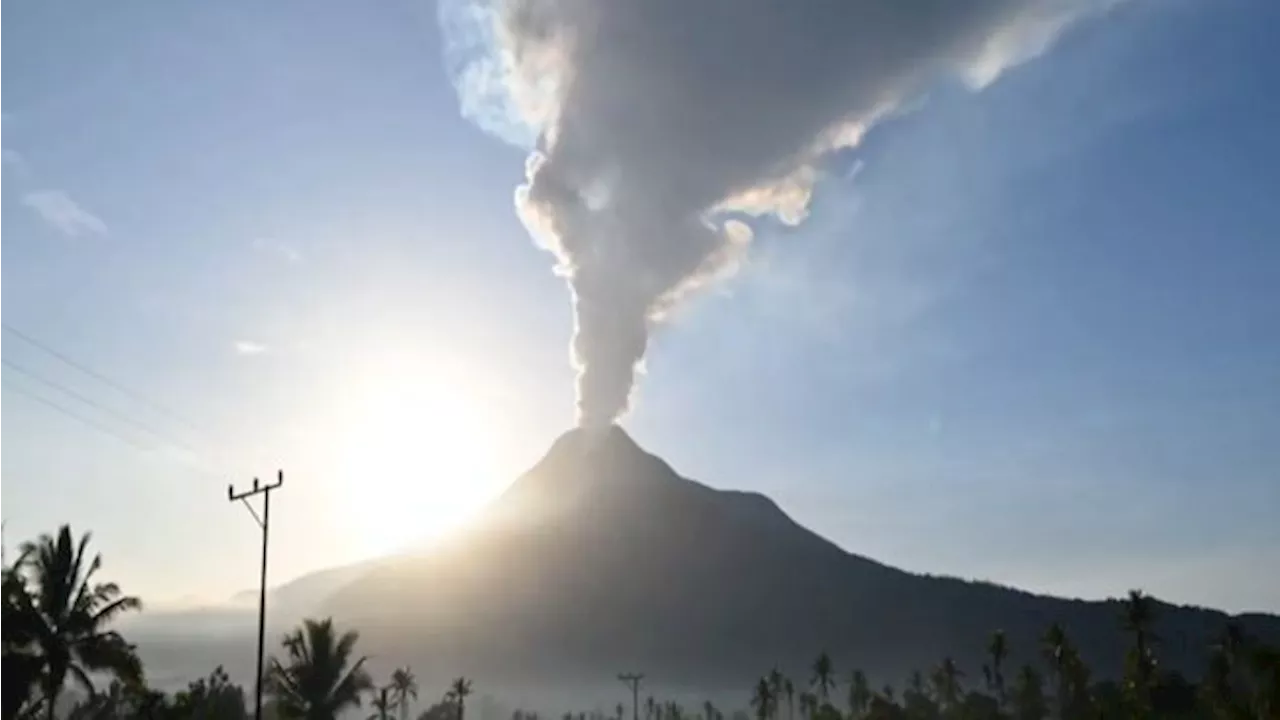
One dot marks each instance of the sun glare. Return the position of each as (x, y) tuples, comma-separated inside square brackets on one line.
[(417, 457)]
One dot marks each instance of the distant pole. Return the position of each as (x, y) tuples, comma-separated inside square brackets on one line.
[(264, 522), (633, 681)]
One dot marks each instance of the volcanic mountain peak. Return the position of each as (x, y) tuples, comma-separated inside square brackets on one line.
[(597, 464), (598, 448), (602, 556)]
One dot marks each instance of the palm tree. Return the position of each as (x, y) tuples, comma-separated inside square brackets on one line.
[(21, 666), (1139, 611), (459, 689), (61, 615), (1225, 683), (1028, 702), (384, 703), (319, 680), (946, 684), (822, 676), (915, 697), (404, 686), (763, 699), (1058, 652), (859, 695), (776, 687), (808, 705), (998, 649)]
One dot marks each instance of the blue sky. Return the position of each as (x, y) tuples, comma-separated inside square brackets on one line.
[(1031, 339)]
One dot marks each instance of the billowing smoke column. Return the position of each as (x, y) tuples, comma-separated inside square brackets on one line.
[(660, 126)]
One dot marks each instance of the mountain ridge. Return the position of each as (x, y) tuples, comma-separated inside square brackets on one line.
[(602, 555)]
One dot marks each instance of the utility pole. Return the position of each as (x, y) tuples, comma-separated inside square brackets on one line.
[(633, 681), (264, 522)]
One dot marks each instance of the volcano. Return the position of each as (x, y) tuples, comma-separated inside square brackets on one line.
[(602, 558)]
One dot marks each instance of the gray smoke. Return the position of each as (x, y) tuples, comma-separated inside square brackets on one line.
[(661, 125)]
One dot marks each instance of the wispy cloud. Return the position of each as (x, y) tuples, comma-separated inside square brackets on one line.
[(248, 347), (68, 217), (283, 250)]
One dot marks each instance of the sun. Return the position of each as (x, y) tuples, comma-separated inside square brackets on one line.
[(417, 455)]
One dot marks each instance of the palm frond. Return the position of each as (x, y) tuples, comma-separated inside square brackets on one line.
[(110, 652), (108, 612), (82, 678), (347, 691)]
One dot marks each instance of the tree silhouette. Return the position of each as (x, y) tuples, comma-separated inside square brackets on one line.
[(1028, 700), (823, 679), (459, 689), (55, 630), (859, 695), (60, 617), (915, 697), (946, 685), (998, 651), (212, 697), (1227, 679), (1139, 612), (777, 685), (384, 703), (404, 686), (22, 666), (1058, 653), (133, 700), (319, 680), (763, 699), (808, 705)]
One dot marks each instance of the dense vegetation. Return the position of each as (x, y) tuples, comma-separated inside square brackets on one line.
[(58, 648)]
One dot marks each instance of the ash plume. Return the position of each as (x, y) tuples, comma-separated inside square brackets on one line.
[(660, 127)]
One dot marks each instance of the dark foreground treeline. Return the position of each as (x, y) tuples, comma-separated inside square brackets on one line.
[(59, 650)]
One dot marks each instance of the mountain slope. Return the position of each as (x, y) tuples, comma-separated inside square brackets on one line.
[(601, 557)]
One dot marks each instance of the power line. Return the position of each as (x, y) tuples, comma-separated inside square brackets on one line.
[(99, 406), (76, 416), (140, 397), (135, 395), (107, 429)]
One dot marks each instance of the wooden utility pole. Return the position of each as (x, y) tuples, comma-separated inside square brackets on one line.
[(264, 522), (633, 681)]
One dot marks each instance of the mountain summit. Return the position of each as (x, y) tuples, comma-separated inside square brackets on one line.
[(601, 557)]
